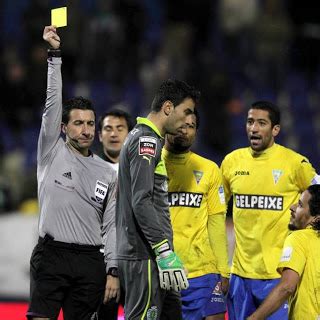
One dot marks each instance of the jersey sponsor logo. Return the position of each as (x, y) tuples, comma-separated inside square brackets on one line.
[(276, 175), (100, 191), (260, 202), (198, 175), (286, 254), (185, 199), (221, 195), (68, 175), (147, 146), (242, 173)]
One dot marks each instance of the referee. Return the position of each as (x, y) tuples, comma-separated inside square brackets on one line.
[(76, 191)]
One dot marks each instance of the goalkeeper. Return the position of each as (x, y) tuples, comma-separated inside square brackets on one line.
[(197, 209), (150, 273)]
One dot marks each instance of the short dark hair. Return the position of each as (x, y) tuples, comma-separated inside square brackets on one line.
[(118, 113), (273, 110), (314, 204), (175, 91), (76, 103)]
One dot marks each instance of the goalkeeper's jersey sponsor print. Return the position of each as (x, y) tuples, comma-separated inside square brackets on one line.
[(301, 253), (263, 189), (195, 191)]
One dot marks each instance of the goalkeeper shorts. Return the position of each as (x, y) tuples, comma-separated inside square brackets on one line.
[(144, 299)]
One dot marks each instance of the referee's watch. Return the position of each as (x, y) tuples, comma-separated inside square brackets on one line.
[(54, 53), (113, 272)]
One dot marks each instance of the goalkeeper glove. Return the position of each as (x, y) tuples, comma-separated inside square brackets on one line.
[(171, 272)]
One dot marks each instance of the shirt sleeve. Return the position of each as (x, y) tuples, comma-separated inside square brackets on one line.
[(52, 114), (304, 174), (109, 228), (218, 241), (216, 196), (142, 171), (225, 180), (293, 255)]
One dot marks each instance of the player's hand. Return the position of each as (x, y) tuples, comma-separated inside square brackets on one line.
[(50, 35), (172, 274), (112, 290), (224, 285)]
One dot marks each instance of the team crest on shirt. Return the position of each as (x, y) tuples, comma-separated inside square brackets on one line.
[(147, 146), (276, 175), (198, 175), (152, 313), (100, 191)]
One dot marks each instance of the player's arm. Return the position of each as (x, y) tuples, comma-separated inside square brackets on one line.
[(52, 114), (286, 287), (142, 170), (112, 288), (218, 241), (216, 207), (305, 174), (225, 180)]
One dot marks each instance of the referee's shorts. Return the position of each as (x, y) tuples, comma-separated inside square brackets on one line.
[(67, 276)]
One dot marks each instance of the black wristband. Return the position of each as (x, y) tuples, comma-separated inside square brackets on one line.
[(113, 272), (54, 53)]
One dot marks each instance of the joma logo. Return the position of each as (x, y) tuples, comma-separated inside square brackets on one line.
[(242, 173)]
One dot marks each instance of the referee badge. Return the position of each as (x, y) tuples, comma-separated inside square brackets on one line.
[(100, 191)]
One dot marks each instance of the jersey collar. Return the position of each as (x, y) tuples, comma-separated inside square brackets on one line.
[(147, 122), (178, 158), (265, 154)]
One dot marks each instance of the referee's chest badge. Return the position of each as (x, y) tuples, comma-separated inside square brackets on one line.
[(100, 191)]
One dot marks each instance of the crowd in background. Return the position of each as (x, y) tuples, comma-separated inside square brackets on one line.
[(119, 51)]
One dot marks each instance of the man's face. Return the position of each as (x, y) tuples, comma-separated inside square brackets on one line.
[(260, 132), (185, 137), (300, 213), (178, 115), (113, 133), (80, 129)]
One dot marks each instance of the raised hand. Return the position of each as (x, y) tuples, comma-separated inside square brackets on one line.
[(50, 35)]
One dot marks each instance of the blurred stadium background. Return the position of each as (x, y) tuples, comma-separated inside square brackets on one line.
[(117, 52)]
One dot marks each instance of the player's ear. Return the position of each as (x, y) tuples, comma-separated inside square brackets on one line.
[(167, 107), (63, 127), (275, 130)]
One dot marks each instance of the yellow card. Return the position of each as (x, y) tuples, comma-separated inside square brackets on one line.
[(59, 17)]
